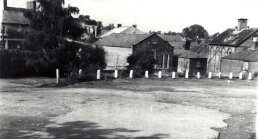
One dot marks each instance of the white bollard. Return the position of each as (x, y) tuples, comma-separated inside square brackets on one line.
[(186, 74), (250, 76), (160, 74), (131, 74), (198, 75), (80, 72), (209, 76), (230, 75), (98, 75), (241, 75), (219, 75), (57, 76), (116, 74), (146, 74), (173, 75)]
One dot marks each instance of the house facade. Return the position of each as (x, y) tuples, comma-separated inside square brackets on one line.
[(13, 25), (231, 41), (118, 46), (245, 61)]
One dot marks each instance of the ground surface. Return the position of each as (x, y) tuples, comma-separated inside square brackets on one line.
[(128, 108)]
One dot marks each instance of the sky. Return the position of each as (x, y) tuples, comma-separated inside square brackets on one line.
[(166, 15)]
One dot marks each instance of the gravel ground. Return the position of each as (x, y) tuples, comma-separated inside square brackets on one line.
[(128, 108)]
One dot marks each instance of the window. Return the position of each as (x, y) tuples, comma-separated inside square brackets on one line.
[(255, 39), (165, 61), (229, 52)]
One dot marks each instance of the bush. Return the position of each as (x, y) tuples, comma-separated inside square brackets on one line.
[(91, 60), (141, 60), (17, 63)]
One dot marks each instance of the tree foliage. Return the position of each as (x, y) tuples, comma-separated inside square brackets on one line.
[(49, 24), (141, 60), (194, 32)]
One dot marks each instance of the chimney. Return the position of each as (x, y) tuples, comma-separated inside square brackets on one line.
[(135, 26), (119, 25), (31, 4), (242, 24), (5, 4), (187, 44)]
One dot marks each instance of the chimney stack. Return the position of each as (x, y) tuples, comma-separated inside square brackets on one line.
[(135, 26), (242, 24), (31, 4), (119, 25), (5, 4)]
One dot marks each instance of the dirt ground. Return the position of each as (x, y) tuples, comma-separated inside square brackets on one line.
[(128, 108)]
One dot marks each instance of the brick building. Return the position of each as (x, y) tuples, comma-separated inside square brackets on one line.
[(231, 41), (118, 46)]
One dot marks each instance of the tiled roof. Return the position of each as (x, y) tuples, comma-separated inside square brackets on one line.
[(182, 53), (202, 51), (231, 37), (121, 39), (125, 29), (175, 40), (14, 17), (246, 55)]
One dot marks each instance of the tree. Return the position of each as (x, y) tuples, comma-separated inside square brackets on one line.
[(50, 26), (194, 32)]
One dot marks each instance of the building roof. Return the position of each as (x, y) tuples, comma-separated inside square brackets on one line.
[(202, 51), (175, 40), (182, 53), (14, 17), (121, 40), (124, 29), (246, 55), (232, 37)]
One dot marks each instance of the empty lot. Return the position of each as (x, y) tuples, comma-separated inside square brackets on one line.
[(128, 108)]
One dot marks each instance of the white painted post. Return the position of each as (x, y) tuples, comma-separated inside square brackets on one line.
[(146, 74), (209, 76), (98, 75), (173, 75), (198, 75), (230, 75), (250, 76), (219, 75), (131, 73), (116, 74), (241, 75), (160, 74), (186, 74), (80, 72), (57, 76)]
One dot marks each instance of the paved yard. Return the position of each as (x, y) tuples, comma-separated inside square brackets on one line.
[(128, 108)]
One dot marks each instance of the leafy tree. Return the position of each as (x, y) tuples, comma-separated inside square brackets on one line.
[(141, 60), (194, 32), (50, 26)]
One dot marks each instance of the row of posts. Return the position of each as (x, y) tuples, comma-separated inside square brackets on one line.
[(250, 76)]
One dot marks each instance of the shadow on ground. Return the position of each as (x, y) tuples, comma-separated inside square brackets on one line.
[(75, 130)]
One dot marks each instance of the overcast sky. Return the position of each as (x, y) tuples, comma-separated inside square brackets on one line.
[(213, 15)]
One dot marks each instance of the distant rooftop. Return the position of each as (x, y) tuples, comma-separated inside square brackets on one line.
[(123, 29)]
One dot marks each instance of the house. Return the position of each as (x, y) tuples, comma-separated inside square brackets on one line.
[(231, 41), (190, 60), (118, 46), (123, 29), (13, 25), (245, 61), (188, 56)]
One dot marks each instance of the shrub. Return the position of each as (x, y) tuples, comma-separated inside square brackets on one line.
[(141, 60)]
